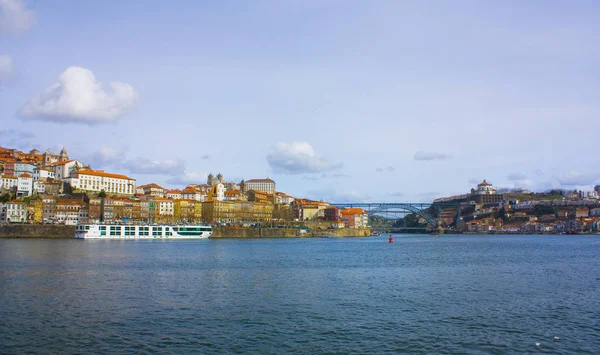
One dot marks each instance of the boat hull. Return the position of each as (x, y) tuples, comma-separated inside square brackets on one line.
[(146, 232)]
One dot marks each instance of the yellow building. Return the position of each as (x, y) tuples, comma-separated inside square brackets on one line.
[(218, 211), (197, 211), (36, 211)]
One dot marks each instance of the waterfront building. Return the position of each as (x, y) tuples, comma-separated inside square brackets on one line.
[(174, 194), (582, 212), (16, 168), (217, 192), (355, 217), (164, 208), (48, 209), (64, 169), (24, 185), (8, 182), (43, 174), (153, 190), (283, 199), (35, 211), (49, 158), (259, 196), (98, 180), (183, 210), (13, 212), (192, 193), (485, 194), (214, 211), (67, 211), (332, 213), (148, 210), (267, 185), (232, 195)]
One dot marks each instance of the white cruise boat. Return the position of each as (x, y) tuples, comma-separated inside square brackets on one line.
[(135, 231)]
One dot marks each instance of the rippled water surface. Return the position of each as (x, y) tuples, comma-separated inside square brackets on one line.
[(447, 295)]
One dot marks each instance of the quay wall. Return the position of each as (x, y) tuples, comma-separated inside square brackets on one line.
[(51, 231), (228, 232)]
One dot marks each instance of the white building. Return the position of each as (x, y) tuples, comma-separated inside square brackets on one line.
[(24, 185), (174, 194), (64, 169), (43, 174), (217, 192), (98, 180), (39, 187), (485, 188), (8, 182), (267, 185), (13, 212), (283, 199), (192, 194), (165, 206)]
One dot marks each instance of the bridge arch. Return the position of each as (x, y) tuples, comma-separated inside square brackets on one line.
[(373, 208)]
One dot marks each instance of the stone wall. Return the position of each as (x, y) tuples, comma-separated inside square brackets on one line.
[(37, 231), (227, 232)]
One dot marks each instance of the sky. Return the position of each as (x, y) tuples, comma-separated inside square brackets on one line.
[(338, 100)]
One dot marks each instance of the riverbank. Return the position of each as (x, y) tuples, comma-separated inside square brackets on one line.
[(241, 233), (48, 231), (53, 231)]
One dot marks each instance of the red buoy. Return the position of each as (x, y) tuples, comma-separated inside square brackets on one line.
[(391, 239)]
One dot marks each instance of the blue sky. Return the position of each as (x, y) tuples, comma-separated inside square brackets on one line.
[(339, 100)]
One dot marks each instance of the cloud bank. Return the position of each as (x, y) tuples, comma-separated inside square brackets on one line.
[(116, 158), (78, 97), (6, 68), (429, 156), (188, 178), (298, 158), (15, 17)]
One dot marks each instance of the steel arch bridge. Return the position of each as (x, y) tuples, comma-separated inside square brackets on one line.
[(381, 207)]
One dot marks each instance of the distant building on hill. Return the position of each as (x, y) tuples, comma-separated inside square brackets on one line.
[(267, 185), (485, 193)]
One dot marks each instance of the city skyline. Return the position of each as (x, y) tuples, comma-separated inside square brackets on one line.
[(335, 101)]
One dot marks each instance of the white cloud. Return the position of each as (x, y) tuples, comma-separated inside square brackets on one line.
[(388, 169), (148, 166), (6, 67), (17, 139), (428, 156), (115, 158), (516, 177), (15, 17), (298, 158), (578, 179), (79, 97), (330, 195), (107, 156), (188, 178)]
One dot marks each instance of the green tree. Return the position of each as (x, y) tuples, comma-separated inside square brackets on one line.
[(4, 198), (102, 194)]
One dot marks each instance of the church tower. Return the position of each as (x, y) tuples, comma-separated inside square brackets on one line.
[(63, 155), (220, 178), (210, 179)]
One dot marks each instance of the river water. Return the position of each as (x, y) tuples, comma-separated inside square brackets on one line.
[(463, 294)]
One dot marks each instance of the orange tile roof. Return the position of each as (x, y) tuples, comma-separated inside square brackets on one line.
[(103, 174), (260, 180), (349, 211), (61, 163), (25, 175)]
